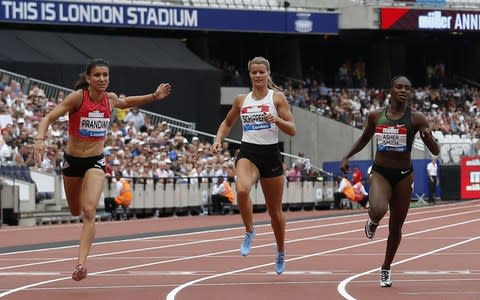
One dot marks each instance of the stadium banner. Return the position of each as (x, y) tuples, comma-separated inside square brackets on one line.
[(429, 19), (420, 185), (167, 17), (470, 177)]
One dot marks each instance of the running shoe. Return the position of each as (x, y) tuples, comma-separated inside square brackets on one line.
[(280, 262), (370, 228), (79, 273), (385, 278), (246, 246)]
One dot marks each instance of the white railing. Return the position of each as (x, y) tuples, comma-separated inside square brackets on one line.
[(154, 197), (53, 91)]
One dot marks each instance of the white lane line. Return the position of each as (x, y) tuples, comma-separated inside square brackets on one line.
[(341, 288), (443, 208), (421, 211), (163, 246), (226, 238), (443, 293), (171, 295), (29, 273), (208, 254)]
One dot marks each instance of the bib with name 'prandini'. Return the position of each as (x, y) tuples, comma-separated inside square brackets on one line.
[(91, 120), (394, 135)]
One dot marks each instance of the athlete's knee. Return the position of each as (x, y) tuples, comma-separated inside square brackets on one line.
[(242, 194), (395, 230), (276, 215), (75, 212), (376, 213), (89, 213)]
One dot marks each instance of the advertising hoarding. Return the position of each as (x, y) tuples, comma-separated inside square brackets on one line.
[(429, 19), (470, 177), (167, 17)]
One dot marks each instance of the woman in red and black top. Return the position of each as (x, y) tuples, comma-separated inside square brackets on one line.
[(89, 109)]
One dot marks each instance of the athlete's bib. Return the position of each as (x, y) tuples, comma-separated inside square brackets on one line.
[(391, 138), (253, 117), (95, 125)]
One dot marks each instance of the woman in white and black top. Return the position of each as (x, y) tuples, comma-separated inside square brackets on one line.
[(264, 111)]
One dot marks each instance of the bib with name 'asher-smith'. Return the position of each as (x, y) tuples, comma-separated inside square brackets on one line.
[(394, 135), (91, 120)]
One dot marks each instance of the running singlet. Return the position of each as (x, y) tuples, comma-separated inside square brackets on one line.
[(90, 121), (394, 135), (255, 129)]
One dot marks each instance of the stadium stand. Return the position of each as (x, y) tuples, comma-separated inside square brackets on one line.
[(157, 158), (168, 160), (176, 165)]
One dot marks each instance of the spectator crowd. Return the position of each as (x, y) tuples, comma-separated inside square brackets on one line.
[(138, 148), (451, 111)]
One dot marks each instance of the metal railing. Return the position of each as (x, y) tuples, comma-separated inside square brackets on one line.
[(177, 124), (188, 128), (54, 91)]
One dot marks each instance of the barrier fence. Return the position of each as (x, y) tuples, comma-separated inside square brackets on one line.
[(52, 91), (159, 197), (192, 195)]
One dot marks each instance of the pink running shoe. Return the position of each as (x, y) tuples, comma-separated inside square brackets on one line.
[(79, 273)]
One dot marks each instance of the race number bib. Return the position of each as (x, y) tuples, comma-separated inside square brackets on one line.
[(391, 138)]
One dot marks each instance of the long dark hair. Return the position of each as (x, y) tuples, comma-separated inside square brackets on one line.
[(82, 81)]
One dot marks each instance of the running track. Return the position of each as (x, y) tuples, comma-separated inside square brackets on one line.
[(328, 257)]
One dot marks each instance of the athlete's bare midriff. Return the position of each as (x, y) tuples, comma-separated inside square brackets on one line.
[(396, 160), (83, 148)]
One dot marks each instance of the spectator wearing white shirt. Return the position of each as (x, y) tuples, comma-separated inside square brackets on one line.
[(207, 172), (221, 193), (432, 170), (137, 117)]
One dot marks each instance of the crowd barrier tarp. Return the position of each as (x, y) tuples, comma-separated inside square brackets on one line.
[(420, 187), (450, 182)]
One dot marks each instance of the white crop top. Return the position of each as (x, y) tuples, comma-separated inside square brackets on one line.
[(255, 129)]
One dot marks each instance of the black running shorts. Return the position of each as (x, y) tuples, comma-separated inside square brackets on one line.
[(266, 158)]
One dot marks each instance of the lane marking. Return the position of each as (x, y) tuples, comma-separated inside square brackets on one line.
[(421, 211), (257, 283), (438, 272), (227, 238), (226, 251), (29, 273), (341, 288), (171, 295)]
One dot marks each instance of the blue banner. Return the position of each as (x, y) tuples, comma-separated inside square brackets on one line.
[(167, 17), (420, 186)]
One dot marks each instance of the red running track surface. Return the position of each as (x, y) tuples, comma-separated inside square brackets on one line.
[(197, 257)]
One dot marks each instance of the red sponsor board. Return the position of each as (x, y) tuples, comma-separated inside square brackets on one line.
[(470, 177)]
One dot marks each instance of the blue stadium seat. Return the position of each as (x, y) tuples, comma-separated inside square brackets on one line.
[(25, 171), (8, 171)]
